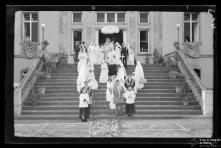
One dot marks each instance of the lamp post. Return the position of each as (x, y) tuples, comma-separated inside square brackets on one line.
[(178, 29), (43, 27)]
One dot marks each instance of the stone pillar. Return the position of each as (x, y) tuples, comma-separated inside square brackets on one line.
[(18, 29), (209, 103), (17, 103), (124, 35), (133, 30), (89, 27), (157, 31)]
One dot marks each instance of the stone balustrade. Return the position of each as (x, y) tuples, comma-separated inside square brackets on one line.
[(22, 91), (199, 91)]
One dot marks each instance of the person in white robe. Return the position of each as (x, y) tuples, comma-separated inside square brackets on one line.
[(82, 76), (139, 76), (131, 53), (92, 81), (82, 58), (118, 49), (104, 72), (121, 74)]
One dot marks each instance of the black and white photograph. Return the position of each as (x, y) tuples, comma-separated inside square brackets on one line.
[(125, 72)]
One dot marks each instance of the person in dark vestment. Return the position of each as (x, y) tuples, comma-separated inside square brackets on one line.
[(129, 82), (76, 50), (112, 68), (124, 54)]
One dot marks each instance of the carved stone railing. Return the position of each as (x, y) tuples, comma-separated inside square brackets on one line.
[(22, 91), (30, 49), (191, 78)]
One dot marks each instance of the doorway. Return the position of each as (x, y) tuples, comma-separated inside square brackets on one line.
[(117, 37)]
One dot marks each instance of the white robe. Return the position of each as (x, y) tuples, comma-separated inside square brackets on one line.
[(104, 73), (130, 60), (81, 77), (82, 60), (139, 76), (93, 82)]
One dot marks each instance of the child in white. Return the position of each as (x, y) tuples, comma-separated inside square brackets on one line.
[(83, 104), (104, 73), (130, 98), (92, 81), (109, 93)]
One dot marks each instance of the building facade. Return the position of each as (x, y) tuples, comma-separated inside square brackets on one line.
[(147, 30)]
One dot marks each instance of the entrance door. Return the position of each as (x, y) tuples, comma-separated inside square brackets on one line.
[(117, 37)]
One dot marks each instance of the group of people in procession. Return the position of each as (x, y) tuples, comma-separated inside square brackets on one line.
[(121, 87)]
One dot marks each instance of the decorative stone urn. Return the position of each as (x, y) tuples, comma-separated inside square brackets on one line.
[(30, 49)]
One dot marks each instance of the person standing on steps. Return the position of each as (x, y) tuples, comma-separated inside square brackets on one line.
[(76, 52), (130, 97), (129, 82), (104, 72), (139, 76), (90, 93), (118, 98), (112, 68), (124, 54), (83, 104)]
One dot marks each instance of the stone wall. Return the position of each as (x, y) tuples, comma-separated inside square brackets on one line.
[(157, 31)]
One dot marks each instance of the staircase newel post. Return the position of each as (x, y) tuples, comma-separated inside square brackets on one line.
[(17, 102)]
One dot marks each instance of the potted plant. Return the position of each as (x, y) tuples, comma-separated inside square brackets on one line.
[(179, 87), (176, 45), (64, 58), (34, 96), (44, 43), (54, 61)]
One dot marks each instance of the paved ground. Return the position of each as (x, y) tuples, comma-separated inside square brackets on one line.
[(127, 128)]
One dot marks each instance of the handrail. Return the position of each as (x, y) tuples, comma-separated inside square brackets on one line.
[(170, 53), (24, 80), (191, 71), (198, 89), (192, 79), (26, 84)]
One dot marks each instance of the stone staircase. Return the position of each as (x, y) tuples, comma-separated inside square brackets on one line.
[(157, 100)]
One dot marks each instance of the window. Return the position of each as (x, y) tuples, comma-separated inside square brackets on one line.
[(191, 26), (30, 26), (198, 72), (113, 17), (110, 17), (77, 16), (143, 41), (120, 17), (100, 17), (143, 17), (77, 36)]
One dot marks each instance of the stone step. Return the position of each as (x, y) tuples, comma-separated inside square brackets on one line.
[(98, 71), (138, 102), (98, 74), (101, 99), (138, 107), (71, 118), (74, 78), (75, 88), (100, 94), (73, 84), (141, 112), (149, 80), (70, 90)]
